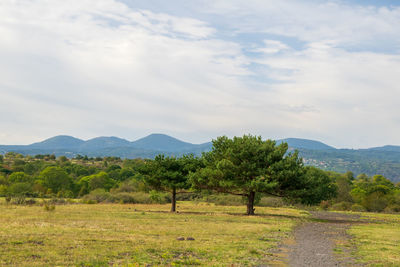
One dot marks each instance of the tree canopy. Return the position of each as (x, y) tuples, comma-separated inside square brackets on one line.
[(170, 174), (248, 165)]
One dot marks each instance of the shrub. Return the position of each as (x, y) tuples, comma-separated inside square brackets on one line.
[(357, 207), (3, 190), (20, 189), (158, 197), (123, 198), (31, 201), (375, 201), (65, 193), (19, 200), (98, 195), (325, 204), (143, 198), (57, 201), (392, 208), (132, 185), (341, 206)]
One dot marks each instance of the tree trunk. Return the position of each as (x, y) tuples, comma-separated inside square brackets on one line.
[(173, 204), (250, 203)]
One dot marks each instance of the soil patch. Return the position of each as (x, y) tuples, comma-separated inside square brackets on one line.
[(323, 241)]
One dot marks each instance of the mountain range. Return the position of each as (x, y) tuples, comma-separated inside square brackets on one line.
[(383, 160), (147, 147)]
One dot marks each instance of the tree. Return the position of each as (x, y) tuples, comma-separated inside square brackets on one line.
[(19, 177), (344, 186), (317, 186), (94, 181), (56, 179), (20, 189), (248, 165), (62, 159), (169, 174)]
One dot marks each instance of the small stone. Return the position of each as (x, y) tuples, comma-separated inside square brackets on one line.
[(181, 238), (190, 238)]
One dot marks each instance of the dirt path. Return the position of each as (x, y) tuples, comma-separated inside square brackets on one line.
[(315, 243)]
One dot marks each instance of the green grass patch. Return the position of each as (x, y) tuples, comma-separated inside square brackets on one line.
[(378, 241)]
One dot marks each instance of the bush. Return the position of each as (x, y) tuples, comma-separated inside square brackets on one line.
[(144, 198), (392, 208), (325, 204), (20, 189), (3, 190), (123, 198), (58, 201), (31, 201), (19, 200), (98, 195), (341, 206), (129, 186), (159, 197), (375, 201), (357, 207)]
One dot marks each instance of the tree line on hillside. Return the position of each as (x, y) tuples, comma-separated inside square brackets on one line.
[(370, 162), (243, 166)]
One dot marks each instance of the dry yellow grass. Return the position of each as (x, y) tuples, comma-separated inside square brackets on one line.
[(102, 235)]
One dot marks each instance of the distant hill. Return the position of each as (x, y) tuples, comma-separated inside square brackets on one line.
[(99, 143), (383, 160), (305, 144), (162, 142), (370, 162), (385, 148), (58, 142), (147, 147)]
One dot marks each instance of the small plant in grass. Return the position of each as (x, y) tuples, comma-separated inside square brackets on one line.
[(30, 202), (19, 200), (48, 206), (325, 204)]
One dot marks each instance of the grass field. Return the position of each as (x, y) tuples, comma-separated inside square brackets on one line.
[(378, 242), (136, 235)]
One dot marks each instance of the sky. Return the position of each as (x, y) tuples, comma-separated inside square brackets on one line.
[(195, 70)]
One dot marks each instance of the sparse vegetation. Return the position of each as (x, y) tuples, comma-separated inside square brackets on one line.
[(114, 234)]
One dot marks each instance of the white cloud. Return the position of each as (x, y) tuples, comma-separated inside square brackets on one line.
[(271, 47), (312, 20), (100, 67), (65, 66)]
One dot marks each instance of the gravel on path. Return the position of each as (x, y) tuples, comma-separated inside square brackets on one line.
[(315, 241)]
